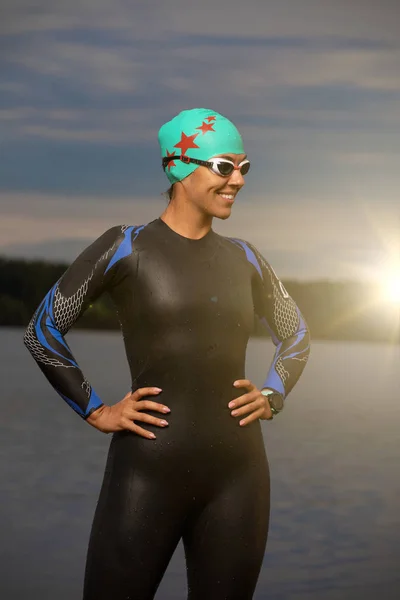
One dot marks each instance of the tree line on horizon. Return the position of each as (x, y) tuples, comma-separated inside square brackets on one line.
[(333, 310)]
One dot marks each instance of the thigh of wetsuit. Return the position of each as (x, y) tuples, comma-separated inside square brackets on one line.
[(137, 525), (225, 541)]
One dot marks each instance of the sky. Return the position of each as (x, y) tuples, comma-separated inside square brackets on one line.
[(312, 85)]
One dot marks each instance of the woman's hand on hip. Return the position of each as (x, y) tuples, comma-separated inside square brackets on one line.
[(124, 413), (253, 402)]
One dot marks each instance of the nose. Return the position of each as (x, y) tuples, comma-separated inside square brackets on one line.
[(237, 178)]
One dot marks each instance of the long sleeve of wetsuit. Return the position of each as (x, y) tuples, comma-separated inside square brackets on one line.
[(289, 332), (282, 318), (91, 274)]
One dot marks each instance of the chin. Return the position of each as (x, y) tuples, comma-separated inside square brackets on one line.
[(224, 213), (220, 212), (224, 217)]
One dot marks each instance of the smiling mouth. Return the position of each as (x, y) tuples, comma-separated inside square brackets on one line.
[(228, 197)]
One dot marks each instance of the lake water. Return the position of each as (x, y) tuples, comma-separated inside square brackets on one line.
[(334, 456)]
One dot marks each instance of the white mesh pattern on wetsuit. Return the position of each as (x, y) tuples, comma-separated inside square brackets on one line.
[(280, 369), (87, 388), (304, 359), (66, 310), (38, 352), (285, 313)]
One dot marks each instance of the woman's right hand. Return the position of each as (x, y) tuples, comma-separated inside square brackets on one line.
[(123, 414)]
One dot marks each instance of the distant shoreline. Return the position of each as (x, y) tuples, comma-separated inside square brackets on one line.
[(334, 311), (314, 339)]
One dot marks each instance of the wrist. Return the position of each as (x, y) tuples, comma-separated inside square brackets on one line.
[(275, 400), (95, 415)]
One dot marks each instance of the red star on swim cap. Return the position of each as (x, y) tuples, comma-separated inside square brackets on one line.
[(206, 127), (210, 119), (187, 141), (171, 163)]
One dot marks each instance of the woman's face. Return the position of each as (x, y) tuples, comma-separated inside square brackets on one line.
[(211, 193)]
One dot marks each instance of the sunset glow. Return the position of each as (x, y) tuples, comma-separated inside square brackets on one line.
[(392, 288)]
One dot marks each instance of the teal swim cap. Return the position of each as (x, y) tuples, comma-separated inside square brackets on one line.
[(197, 133)]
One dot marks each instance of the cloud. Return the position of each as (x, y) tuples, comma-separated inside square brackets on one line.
[(313, 85), (117, 68), (311, 18), (19, 17), (274, 62), (116, 92), (371, 160), (89, 125), (93, 66)]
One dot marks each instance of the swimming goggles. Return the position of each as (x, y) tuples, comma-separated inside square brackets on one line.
[(220, 166)]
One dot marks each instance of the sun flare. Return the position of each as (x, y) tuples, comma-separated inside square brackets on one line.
[(392, 288)]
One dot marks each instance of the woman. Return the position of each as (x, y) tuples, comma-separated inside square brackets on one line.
[(186, 299)]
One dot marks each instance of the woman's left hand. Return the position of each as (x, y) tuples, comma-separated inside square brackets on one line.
[(252, 402)]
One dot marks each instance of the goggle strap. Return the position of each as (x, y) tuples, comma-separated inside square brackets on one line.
[(184, 159)]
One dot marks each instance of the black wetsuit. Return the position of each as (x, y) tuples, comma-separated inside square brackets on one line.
[(186, 309)]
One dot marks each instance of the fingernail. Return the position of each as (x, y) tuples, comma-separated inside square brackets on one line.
[(152, 436), (158, 389), (241, 423), (166, 409), (236, 383), (234, 412), (231, 404), (164, 422)]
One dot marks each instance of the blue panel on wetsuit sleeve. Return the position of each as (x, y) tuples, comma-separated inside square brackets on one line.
[(94, 402), (72, 404), (274, 381), (40, 335), (124, 249), (249, 254)]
